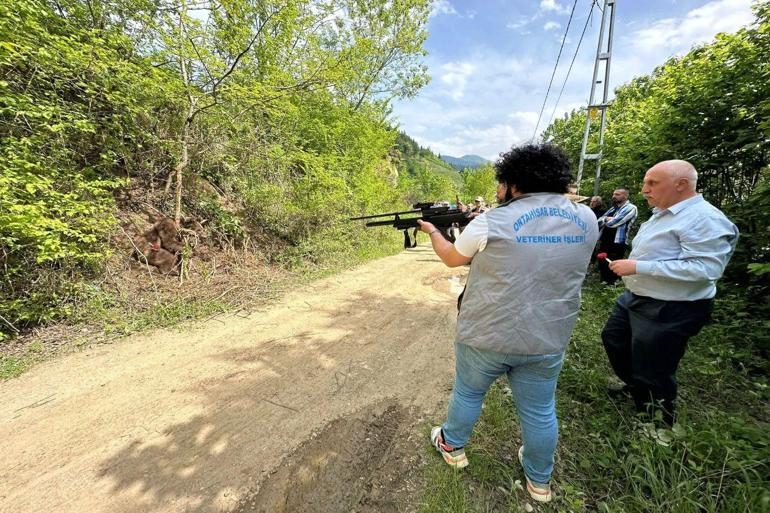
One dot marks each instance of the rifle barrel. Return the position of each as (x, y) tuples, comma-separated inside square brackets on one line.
[(384, 215), (441, 219), (431, 209)]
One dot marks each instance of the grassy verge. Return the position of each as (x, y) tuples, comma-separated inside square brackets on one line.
[(14, 365), (716, 460), (131, 304)]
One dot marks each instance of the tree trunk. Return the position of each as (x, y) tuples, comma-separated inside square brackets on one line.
[(169, 181), (188, 120), (181, 166)]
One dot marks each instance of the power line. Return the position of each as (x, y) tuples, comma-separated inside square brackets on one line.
[(548, 91), (588, 20)]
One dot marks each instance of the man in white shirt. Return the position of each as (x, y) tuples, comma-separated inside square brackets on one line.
[(676, 259)]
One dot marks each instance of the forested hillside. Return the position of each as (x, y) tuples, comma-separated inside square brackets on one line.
[(435, 179), (464, 162), (439, 180), (262, 124)]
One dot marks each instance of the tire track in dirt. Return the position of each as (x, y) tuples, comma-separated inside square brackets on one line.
[(290, 405)]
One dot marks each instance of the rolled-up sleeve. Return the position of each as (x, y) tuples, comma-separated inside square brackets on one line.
[(473, 238)]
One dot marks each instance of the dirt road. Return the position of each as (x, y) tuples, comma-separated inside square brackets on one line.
[(318, 403)]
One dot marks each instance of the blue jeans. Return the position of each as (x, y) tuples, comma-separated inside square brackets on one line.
[(533, 384)]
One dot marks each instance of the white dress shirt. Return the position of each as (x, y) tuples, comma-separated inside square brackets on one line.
[(682, 251)]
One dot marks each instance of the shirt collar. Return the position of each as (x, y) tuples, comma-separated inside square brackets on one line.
[(528, 195), (678, 207)]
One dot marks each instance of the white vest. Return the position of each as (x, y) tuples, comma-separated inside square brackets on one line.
[(523, 291)]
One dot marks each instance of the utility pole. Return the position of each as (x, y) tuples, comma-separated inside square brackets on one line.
[(603, 57)]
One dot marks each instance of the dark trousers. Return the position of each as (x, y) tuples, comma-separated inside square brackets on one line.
[(614, 252), (645, 338)]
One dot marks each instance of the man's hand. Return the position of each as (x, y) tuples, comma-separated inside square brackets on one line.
[(443, 248), (425, 226), (623, 267)]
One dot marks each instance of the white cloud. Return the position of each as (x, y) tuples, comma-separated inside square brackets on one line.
[(485, 141), (546, 7), (455, 75), (496, 115), (551, 5), (678, 35), (482, 99), (521, 22), (551, 25), (443, 7), (524, 117)]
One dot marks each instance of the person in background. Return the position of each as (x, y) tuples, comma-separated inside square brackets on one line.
[(479, 206), (670, 277), (615, 225), (597, 206)]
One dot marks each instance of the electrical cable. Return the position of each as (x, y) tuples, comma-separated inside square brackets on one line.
[(548, 91), (588, 20)]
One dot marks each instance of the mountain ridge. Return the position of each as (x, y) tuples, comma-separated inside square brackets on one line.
[(464, 162)]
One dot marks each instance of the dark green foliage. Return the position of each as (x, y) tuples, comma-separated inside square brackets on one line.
[(408, 147), (712, 108), (273, 143)]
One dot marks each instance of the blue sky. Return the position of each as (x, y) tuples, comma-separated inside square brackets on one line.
[(490, 62)]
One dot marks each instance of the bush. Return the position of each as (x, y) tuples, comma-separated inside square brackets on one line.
[(68, 100)]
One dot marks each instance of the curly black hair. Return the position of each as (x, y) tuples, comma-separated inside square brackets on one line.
[(534, 168)]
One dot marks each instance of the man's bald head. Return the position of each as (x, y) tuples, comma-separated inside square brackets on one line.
[(679, 169), (669, 182)]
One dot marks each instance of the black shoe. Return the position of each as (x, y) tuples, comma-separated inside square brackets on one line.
[(620, 392)]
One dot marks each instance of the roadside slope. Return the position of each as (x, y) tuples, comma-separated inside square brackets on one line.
[(201, 418)]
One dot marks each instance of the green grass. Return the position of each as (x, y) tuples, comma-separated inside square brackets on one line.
[(13, 366), (717, 460), (114, 320), (107, 315), (162, 315), (446, 170)]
